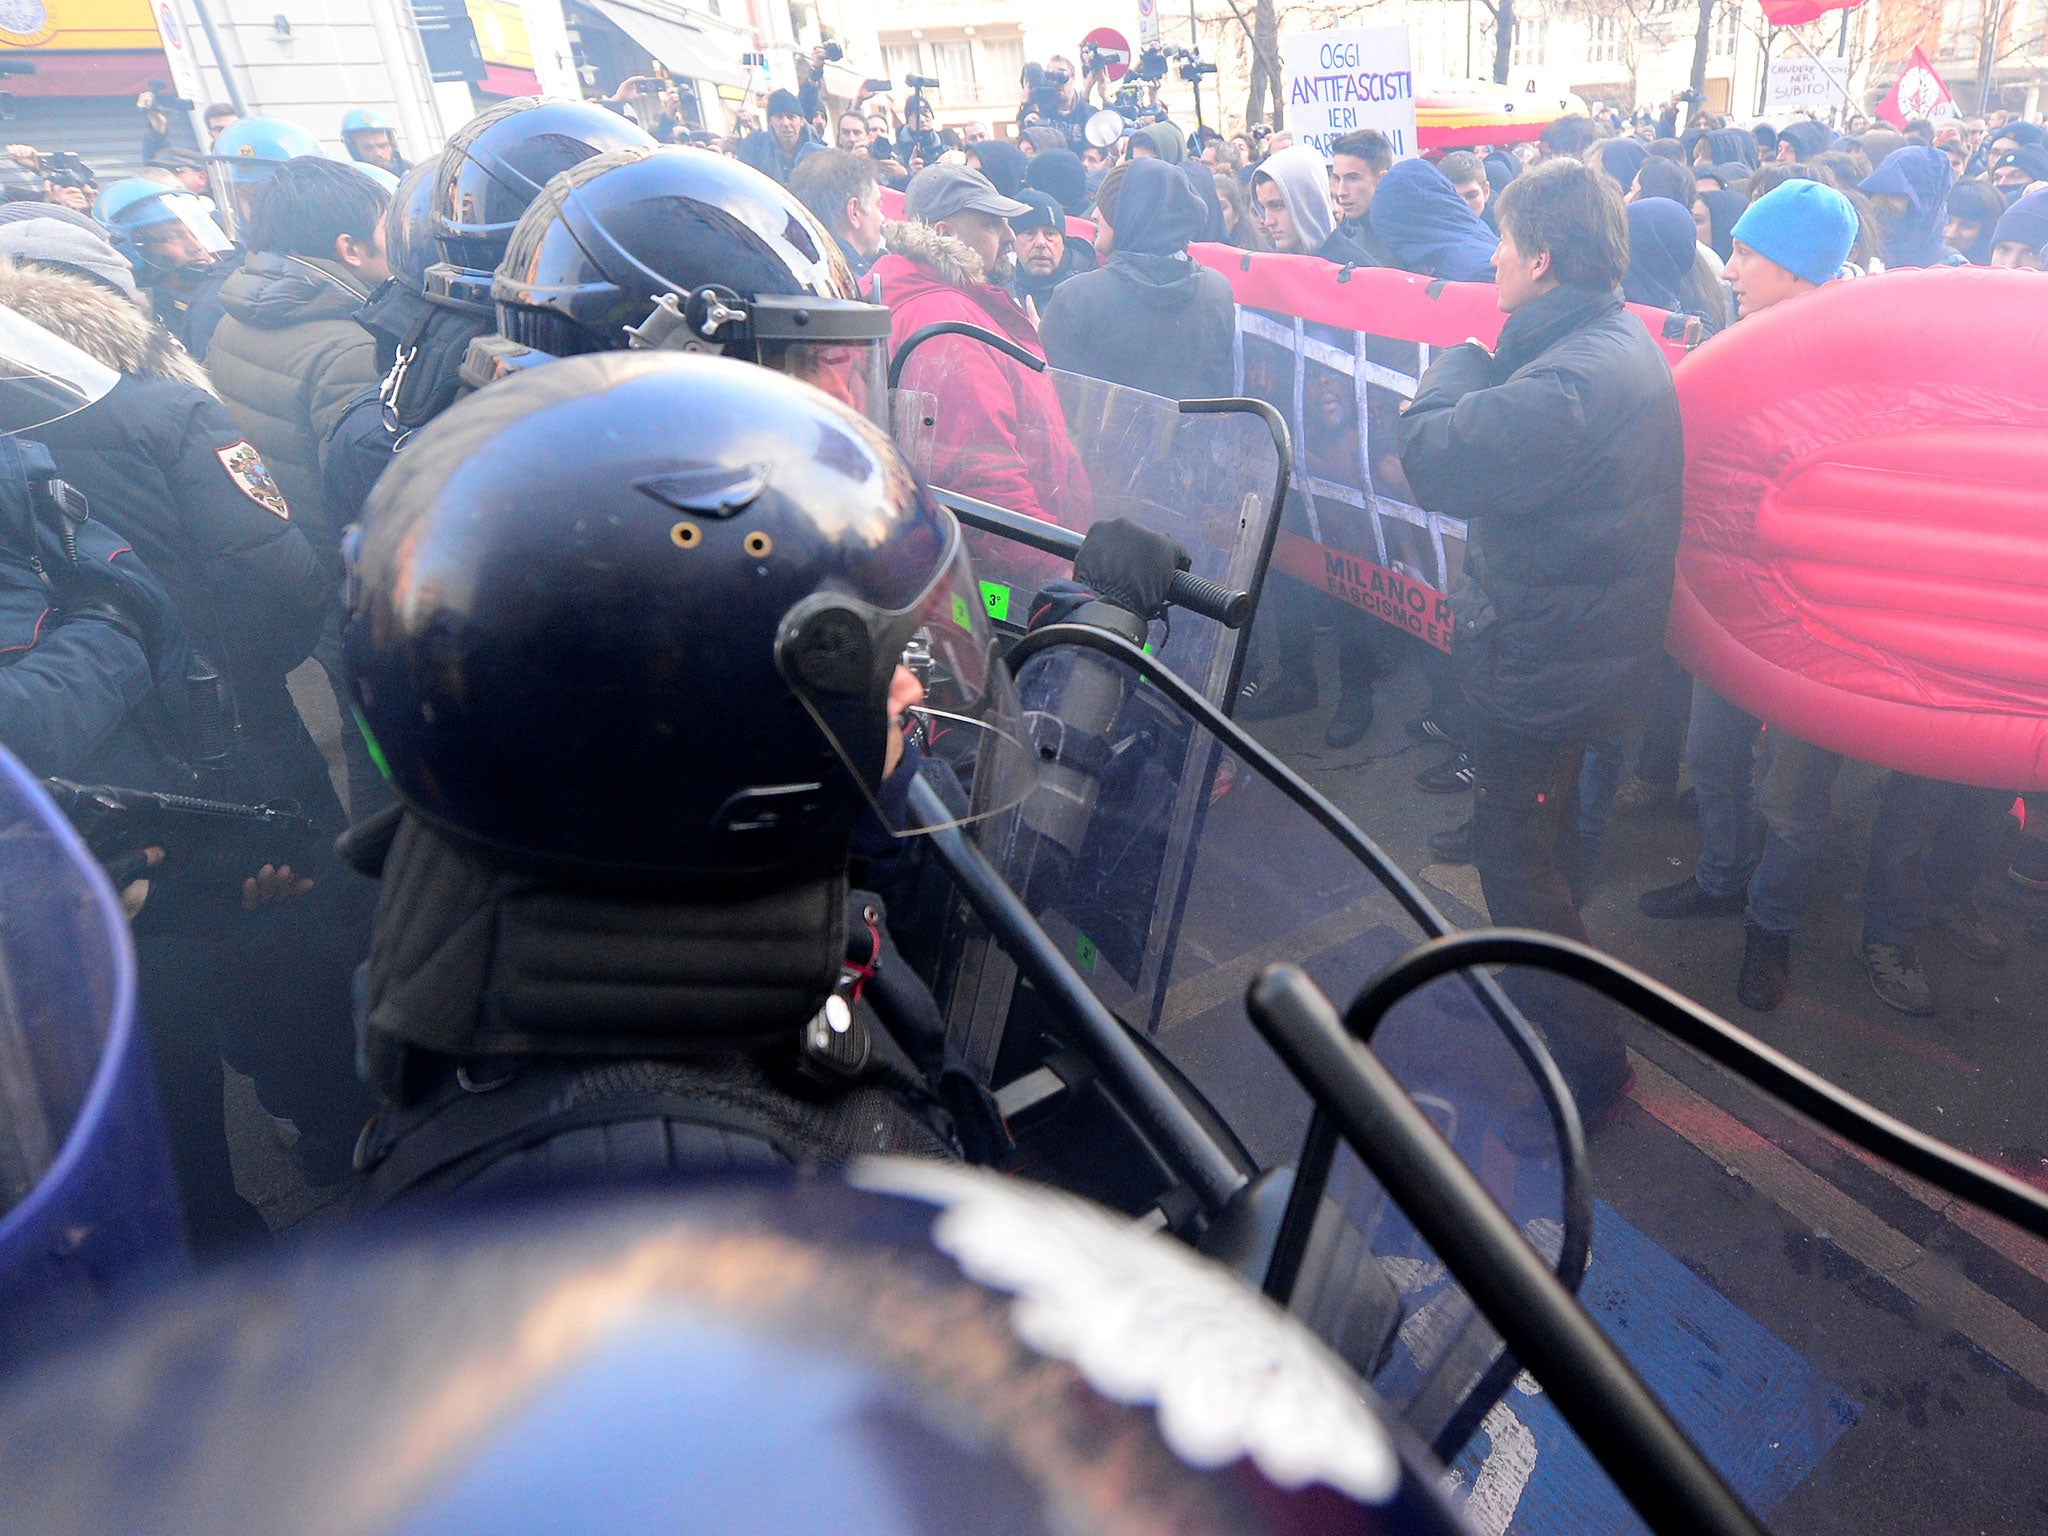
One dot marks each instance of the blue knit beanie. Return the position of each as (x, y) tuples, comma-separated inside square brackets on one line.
[(1806, 228), (2026, 220)]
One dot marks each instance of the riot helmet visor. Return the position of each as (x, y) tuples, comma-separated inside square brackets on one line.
[(949, 691), (174, 231)]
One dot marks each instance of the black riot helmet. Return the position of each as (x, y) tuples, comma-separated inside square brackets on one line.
[(498, 161), (678, 248), (634, 619), (409, 242)]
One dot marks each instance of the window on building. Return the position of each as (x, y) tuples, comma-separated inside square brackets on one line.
[(953, 65), (1001, 64), (900, 59), (1527, 45), (1962, 24), (1727, 27), (1603, 40), (2029, 36)]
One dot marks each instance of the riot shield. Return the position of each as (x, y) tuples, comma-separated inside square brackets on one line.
[(1172, 859), (1208, 474), (1847, 1317), (86, 1195), (44, 378)]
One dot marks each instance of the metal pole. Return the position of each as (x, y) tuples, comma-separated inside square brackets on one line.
[(220, 60)]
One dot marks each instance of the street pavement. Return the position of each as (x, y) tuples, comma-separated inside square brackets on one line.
[(1854, 1350)]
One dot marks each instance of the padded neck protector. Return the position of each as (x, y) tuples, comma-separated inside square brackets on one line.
[(469, 960)]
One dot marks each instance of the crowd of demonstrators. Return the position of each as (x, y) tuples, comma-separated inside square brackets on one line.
[(259, 342)]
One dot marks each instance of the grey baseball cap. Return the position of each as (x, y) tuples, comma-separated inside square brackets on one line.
[(940, 191)]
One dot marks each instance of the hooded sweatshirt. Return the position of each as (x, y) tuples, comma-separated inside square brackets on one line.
[(1725, 144), (1914, 238), (1151, 318), (1304, 183), (1058, 173), (1808, 139), (1427, 228), (1003, 164), (1662, 240), (1723, 209), (1166, 141)]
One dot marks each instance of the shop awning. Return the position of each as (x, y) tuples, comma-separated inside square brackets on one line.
[(686, 50)]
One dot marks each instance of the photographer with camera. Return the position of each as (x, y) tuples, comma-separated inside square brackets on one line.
[(1051, 100), (918, 144)]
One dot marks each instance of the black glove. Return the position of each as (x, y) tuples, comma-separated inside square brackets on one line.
[(1129, 565)]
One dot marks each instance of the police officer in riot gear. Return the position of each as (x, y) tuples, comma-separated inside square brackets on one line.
[(634, 688), (676, 248), (446, 230)]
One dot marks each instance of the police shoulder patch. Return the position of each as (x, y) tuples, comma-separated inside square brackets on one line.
[(246, 468)]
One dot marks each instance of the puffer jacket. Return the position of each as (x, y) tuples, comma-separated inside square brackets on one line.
[(163, 464), (999, 433), (287, 360), (1562, 450)]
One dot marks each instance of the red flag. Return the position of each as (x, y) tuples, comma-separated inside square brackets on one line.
[(1790, 13), (1918, 92)]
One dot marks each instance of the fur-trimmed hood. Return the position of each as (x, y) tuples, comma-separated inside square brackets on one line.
[(953, 260), (98, 321)]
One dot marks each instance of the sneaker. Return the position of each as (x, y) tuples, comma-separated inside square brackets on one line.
[(1287, 695), (1454, 844), (1636, 798), (1428, 731), (1453, 776), (1351, 721), (2029, 869), (1766, 974), (1687, 898), (1968, 934), (1896, 977)]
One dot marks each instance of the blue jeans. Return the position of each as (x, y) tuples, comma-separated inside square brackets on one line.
[(1599, 778), (1796, 799), (1720, 750)]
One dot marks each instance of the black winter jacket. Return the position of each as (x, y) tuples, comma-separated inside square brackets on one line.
[(1162, 324), (1562, 451), (164, 465), (432, 339), (92, 657)]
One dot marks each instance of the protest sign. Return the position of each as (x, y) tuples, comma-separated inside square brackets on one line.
[(1801, 85), (1350, 78)]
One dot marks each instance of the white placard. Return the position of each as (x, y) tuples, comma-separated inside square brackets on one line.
[(1800, 85), (1349, 78)]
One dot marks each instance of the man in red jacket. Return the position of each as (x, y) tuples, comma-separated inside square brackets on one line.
[(997, 430)]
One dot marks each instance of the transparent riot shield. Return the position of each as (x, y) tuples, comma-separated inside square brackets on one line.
[(1207, 473), (1848, 1318), (1171, 859), (86, 1194)]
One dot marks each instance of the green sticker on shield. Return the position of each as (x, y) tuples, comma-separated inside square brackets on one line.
[(962, 614), (996, 598), (1085, 954)]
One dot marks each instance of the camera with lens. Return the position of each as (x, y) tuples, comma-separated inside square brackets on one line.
[(1151, 65), (921, 82), (834, 53)]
